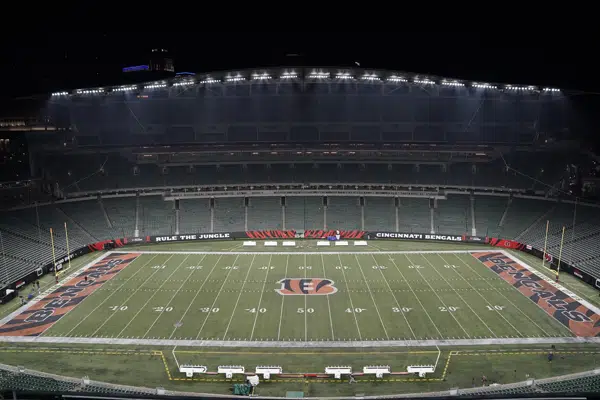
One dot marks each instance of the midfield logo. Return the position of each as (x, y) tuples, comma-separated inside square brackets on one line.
[(306, 286)]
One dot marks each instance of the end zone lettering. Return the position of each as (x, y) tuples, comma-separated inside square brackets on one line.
[(69, 293), (200, 236)]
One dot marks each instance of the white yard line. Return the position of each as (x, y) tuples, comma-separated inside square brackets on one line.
[(349, 296), (372, 298), (261, 297), (196, 295), (238, 298), (287, 261), (305, 312), (396, 300), (153, 294), (217, 296), (113, 292), (459, 296), (328, 303), (128, 298), (439, 298), (416, 297), (503, 295), (482, 296), (173, 297)]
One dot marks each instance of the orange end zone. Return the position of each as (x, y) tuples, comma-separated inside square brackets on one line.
[(578, 318), (43, 314)]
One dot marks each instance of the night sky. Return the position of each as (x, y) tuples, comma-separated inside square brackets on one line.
[(67, 60)]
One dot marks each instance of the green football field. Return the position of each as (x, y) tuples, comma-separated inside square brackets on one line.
[(306, 294)]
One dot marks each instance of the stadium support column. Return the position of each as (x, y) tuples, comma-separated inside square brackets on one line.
[(211, 203), (325, 213), (176, 205), (396, 209), (283, 213), (432, 207), (362, 213), (473, 228), (246, 202), (136, 231)]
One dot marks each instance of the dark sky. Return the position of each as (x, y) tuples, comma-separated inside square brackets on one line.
[(60, 60), (67, 60)]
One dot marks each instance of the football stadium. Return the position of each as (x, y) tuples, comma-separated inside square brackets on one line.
[(300, 232)]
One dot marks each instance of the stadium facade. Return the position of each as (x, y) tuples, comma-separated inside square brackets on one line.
[(304, 149)]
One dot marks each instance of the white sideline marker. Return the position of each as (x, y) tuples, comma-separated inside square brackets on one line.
[(249, 243), (342, 243), (323, 243), (288, 243), (360, 243), (270, 244)]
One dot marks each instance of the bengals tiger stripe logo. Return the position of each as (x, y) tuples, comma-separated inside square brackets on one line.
[(306, 286)]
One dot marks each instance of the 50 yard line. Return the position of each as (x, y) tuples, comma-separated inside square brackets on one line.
[(287, 261)]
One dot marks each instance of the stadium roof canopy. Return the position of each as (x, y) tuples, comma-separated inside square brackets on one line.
[(303, 74)]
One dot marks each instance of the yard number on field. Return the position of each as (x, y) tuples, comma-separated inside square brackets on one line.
[(163, 309), (355, 310), (378, 267), (495, 308), (265, 267), (305, 267), (415, 266), (159, 267), (118, 308), (450, 266), (232, 267), (308, 310), (448, 309), (401, 309), (209, 310), (254, 310), (195, 267), (342, 267)]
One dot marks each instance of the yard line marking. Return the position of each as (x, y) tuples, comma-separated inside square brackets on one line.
[(439, 298), (287, 261), (238, 298), (416, 297), (350, 297), (197, 293), (372, 297), (128, 298), (395, 299), (482, 296), (328, 304), (112, 294), (153, 294), (260, 299), (217, 297), (305, 301), (458, 294), (173, 297)]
